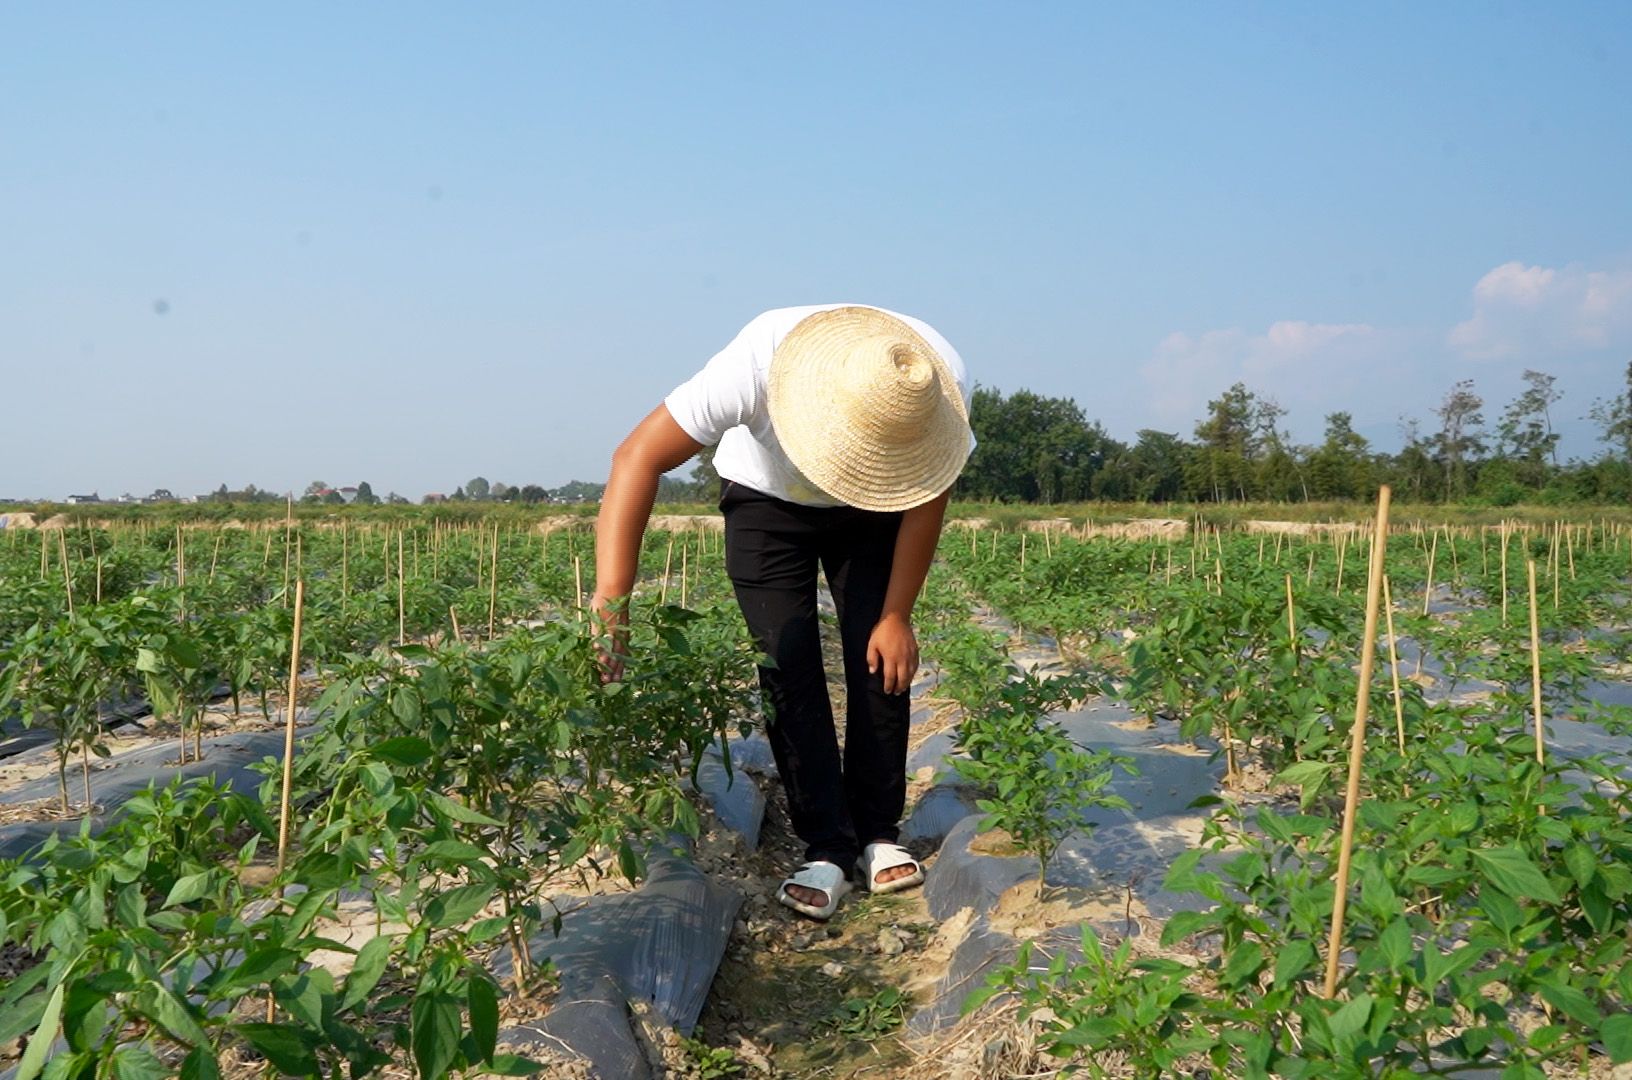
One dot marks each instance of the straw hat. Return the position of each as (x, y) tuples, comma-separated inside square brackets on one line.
[(867, 410)]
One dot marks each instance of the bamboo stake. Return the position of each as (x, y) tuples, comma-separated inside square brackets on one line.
[(1169, 580), (1342, 549), (1351, 801), (345, 568), (1291, 617), (1277, 549), (685, 553), (288, 751), (99, 579), (1535, 666), (288, 528), (402, 615), (578, 585), (1504, 573), (1260, 550), (1555, 557), (1022, 555), (453, 617), (493, 592), (1428, 587), (67, 577), (1456, 564), (1309, 578), (1394, 666), (1569, 549), (668, 563)]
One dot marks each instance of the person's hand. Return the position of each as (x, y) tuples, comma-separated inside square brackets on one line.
[(893, 649), (609, 619)]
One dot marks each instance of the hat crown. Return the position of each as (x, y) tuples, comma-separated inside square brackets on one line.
[(866, 409), (893, 388)]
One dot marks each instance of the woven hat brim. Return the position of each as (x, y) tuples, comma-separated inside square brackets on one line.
[(818, 427)]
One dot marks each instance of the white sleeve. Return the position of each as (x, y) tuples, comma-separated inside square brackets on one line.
[(720, 396)]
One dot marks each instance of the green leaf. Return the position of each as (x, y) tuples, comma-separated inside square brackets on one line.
[(258, 968), (1616, 1033), (407, 750), (483, 1001), (138, 1063), (171, 1014), (25, 1016), (458, 811), (1351, 1018), (1511, 871), (366, 971), (1296, 958), (288, 1048), (512, 1065), (1305, 772), (1243, 962), (44, 1038), (457, 905), (456, 851), (1572, 1003), (1395, 942), (1581, 863), (484, 930), (434, 1022), (188, 888), (201, 1064)]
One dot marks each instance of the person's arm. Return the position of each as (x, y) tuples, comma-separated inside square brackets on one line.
[(657, 445), (893, 647)]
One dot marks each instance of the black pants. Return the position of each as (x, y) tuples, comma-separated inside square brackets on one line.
[(772, 549)]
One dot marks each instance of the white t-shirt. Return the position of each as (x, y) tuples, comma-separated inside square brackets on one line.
[(725, 403)]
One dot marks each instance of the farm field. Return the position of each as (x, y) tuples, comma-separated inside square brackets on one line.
[(1131, 745)]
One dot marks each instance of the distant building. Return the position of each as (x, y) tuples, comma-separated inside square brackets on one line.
[(160, 495), (432, 498), (78, 500), (349, 494)]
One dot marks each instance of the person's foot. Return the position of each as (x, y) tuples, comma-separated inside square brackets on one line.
[(815, 889), (888, 867), (813, 897), (884, 877)]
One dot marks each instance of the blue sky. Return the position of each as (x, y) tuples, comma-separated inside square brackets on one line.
[(413, 244)]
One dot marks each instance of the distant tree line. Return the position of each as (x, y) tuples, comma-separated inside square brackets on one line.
[(1033, 448), (1037, 449)]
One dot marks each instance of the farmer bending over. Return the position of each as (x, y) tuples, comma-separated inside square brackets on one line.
[(840, 429)]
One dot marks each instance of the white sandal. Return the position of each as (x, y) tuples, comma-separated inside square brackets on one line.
[(877, 858), (824, 877)]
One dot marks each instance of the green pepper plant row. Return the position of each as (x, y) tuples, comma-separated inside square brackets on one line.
[(1494, 892), (448, 779)]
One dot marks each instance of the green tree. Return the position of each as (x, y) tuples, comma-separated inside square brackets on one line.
[(1031, 448), (365, 495), (1460, 418), (1341, 468), (705, 481), (1525, 433), (1414, 470), (1152, 470), (1221, 468), (477, 490), (1614, 419)]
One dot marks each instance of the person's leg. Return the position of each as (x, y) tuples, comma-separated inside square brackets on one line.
[(857, 559), (771, 557)]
